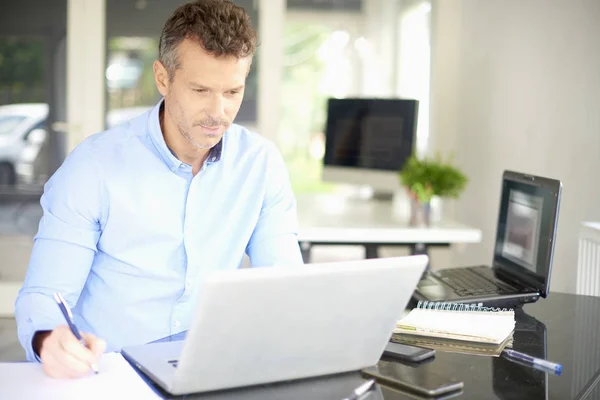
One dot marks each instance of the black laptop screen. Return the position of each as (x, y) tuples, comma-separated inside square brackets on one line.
[(526, 228)]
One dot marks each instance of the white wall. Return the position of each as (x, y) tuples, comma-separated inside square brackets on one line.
[(516, 85)]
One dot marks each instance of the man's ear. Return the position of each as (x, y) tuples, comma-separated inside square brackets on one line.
[(161, 76)]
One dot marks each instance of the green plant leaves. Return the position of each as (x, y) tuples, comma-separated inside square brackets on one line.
[(434, 177)]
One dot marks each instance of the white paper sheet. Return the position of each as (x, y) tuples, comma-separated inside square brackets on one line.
[(116, 380)]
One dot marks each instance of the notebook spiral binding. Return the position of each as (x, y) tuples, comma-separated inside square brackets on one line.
[(450, 306)]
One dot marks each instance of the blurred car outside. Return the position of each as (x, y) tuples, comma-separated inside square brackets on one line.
[(23, 134)]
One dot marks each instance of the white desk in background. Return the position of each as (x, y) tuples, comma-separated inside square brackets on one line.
[(335, 220)]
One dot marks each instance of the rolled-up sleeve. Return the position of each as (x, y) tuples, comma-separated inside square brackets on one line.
[(274, 240), (64, 246)]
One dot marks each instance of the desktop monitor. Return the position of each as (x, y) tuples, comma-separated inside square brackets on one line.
[(367, 141)]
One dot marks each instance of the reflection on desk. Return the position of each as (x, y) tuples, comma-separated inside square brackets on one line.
[(511, 380)]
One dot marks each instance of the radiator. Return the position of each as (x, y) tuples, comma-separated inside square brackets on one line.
[(588, 259)]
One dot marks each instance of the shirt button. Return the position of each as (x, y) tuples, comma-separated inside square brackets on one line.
[(177, 324)]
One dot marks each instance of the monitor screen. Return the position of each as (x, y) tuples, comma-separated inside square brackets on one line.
[(370, 133), (526, 226)]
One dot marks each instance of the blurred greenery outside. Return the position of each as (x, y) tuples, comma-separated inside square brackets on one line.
[(304, 106), (22, 70), (142, 90)]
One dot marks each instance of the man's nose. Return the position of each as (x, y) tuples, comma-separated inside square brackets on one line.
[(216, 108)]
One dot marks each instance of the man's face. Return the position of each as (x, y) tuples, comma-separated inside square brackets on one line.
[(205, 93)]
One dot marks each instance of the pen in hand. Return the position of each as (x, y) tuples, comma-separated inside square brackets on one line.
[(537, 363), (66, 312), (361, 390)]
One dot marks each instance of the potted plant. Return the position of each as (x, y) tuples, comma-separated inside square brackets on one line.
[(426, 178)]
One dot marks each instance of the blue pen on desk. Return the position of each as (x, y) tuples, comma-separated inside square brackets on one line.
[(66, 312), (534, 362)]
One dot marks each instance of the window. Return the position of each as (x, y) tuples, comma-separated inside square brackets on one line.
[(347, 49)]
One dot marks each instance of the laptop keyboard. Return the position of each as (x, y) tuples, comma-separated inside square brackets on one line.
[(473, 282)]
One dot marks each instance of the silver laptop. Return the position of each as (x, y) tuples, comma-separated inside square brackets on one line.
[(261, 325)]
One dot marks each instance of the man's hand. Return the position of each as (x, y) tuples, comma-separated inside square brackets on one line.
[(63, 356)]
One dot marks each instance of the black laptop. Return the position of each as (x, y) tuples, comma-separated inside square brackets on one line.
[(522, 260)]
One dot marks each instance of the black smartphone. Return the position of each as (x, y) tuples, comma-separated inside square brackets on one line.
[(407, 353), (417, 380)]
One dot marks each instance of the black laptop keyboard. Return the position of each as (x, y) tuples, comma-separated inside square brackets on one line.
[(473, 282)]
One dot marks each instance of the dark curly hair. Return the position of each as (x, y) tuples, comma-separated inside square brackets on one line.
[(222, 28)]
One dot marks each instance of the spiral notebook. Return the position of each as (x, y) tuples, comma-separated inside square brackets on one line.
[(457, 321), (454, 346)]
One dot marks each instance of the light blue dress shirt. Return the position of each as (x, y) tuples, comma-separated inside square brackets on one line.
[(128, 233)]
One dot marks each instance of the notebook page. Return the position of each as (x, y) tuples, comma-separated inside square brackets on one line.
[(116, 380), (476, 326)]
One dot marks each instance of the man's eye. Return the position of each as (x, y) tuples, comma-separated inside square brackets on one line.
[(200, 90)]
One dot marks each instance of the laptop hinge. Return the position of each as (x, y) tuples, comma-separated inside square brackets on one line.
[(521, 280)]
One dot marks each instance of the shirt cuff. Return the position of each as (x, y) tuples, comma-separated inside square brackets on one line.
[(27, 341)]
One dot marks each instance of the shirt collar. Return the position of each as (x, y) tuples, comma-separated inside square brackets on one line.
[(215, 153), (165, 152)]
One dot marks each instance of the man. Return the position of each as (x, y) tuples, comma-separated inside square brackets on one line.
[(138, 215)]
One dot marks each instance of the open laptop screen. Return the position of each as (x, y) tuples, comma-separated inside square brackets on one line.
[(526, 228)]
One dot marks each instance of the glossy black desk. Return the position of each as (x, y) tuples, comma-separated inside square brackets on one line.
[(563, 327)]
